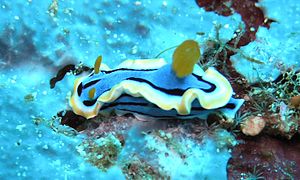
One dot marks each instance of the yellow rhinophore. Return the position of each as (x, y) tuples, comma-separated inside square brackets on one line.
[(92, 93), (185, 56), (97, 64)]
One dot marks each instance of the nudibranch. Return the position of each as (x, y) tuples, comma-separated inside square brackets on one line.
[(154, 88)]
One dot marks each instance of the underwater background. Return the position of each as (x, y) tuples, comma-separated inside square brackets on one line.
[(45, 45)]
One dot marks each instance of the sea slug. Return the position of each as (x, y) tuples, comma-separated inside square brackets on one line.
[(154, 88)]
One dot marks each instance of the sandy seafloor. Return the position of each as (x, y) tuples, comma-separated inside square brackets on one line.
[(35, 44)]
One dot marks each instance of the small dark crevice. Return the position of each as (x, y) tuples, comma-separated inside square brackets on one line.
[(69, 118)]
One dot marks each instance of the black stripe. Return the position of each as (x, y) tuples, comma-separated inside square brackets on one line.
[(171, 91), (177, 115), (91, 83), (107, 72), (79, 89), (177, 92), (90, 103), (110, 105), (230, 106), (199, 78), (127, 69), (212, 86), (151, 115)]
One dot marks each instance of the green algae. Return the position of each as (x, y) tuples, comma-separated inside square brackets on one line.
[(30, 97), (136, 168), (102, 152)]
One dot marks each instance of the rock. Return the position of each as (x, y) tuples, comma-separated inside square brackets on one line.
[(253, 125), (295, 101), (265, 156)]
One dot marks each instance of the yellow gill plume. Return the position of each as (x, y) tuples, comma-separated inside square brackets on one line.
[(97, 65), (185, 56)]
